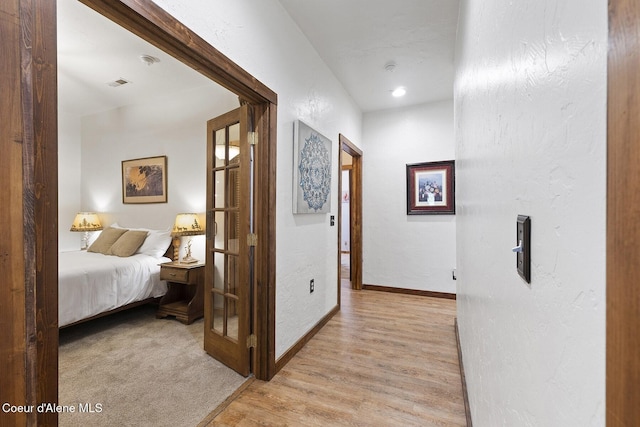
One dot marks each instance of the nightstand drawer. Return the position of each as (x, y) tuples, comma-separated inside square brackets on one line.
[(174, 274)]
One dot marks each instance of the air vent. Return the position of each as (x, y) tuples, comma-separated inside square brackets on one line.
[(118, 82)]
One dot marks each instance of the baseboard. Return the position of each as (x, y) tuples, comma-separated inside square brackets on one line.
[(431, 294), (294, 349), (465, 395)]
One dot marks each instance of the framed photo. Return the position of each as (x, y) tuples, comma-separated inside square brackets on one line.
[(431, 188), (311, 170), (144, 180)]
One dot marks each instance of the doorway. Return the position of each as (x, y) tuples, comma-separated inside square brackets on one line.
[(351, 160), (345, 218), (153, 24), (29, 37)]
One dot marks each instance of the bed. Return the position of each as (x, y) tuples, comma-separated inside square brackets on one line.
[(121, 269)]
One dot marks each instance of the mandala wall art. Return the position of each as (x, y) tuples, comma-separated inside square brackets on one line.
[(311, 170)]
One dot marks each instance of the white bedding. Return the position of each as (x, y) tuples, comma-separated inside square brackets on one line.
[(91, 283)]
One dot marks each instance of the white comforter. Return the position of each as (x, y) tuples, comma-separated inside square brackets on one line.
[(91, 283)]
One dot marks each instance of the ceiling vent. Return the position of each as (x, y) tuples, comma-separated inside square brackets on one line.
[(118, 82)]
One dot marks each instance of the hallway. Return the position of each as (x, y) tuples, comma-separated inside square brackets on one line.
[(384, 359)]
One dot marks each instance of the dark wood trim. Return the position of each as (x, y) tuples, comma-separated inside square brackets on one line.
[(623, 225), (150, 22), (14, 380), (228, 401), (418, 292), (349, 147), (339, 295), (29, 247), (40, 196), (264, 360), (465, 394), (294, 349), (355, 213)]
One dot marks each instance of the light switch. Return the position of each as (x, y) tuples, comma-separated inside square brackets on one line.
[(523, 240)]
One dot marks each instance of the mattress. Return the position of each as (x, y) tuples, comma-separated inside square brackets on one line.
[(92, 283)]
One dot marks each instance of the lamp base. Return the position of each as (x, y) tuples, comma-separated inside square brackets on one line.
[(188, 260), (85, 241)]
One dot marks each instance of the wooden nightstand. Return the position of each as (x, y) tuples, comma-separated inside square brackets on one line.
[(185, 297)]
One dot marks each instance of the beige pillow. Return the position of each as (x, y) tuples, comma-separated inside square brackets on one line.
[(106, 239), (128, 243)]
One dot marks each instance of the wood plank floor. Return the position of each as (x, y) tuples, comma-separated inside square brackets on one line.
[(384, 360)]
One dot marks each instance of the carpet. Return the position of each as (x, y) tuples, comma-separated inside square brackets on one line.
[(131, 369)]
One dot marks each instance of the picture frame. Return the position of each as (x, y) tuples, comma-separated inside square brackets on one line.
[(431, 188), (144, 180), (312, 168)]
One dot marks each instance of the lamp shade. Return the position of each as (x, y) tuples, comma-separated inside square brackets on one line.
[(187, 224), (86, 221)]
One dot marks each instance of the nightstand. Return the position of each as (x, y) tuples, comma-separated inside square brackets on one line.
[(185, 297)]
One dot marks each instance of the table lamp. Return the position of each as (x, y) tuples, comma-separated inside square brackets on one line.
[(86, 222), (186, 224)]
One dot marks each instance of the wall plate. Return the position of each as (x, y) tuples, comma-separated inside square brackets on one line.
[(523, 236)]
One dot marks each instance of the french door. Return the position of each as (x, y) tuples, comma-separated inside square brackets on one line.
[(230, 241)]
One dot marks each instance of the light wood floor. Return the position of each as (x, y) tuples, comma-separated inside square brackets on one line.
[(384, 360)]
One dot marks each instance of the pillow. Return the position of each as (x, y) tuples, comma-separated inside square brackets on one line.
[(128, 243), (106, 239), (93, 236), (156, 243)]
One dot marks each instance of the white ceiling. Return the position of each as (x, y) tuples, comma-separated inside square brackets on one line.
[(92, 51), (355, 38)]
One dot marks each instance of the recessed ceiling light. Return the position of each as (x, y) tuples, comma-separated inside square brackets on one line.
[(398, 92)]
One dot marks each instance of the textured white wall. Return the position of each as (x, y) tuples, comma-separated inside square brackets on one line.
[(69, 179), (530, 115), (261, 38), (172, 125), (400, 250)]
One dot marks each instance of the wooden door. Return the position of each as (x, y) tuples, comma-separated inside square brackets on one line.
[(229, 266)]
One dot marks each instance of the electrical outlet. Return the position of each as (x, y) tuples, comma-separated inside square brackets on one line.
[(311, 285)]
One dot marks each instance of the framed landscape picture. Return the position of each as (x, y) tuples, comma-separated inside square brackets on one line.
[(144, 180), (431, 188)]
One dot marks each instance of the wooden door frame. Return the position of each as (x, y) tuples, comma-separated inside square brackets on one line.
[(29, 249), (151, 23), (623, 215), (29, 208), (355, 208)]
